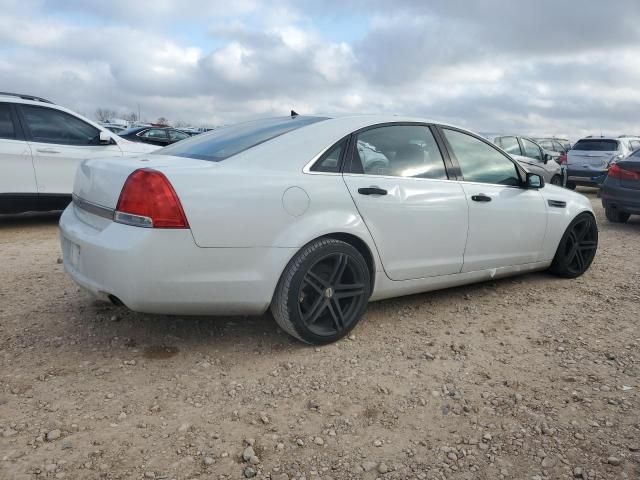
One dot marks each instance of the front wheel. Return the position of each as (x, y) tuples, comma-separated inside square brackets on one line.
[(577, 247), (556, 180), (616, 216), (323, 292), (571, 185)]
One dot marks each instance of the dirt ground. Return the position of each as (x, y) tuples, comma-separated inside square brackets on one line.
[(531, 377)]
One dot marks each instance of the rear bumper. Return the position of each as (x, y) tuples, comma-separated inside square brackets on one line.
[(622, 199), (163, 271), (587, 178)]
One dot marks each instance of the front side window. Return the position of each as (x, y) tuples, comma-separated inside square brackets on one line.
[(398, 151), (480, 162), (7, 128), (510, 145), (155, 134), (48, 125), (531, 150)]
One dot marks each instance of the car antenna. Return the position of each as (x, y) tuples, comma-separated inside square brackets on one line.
[(294, 114)]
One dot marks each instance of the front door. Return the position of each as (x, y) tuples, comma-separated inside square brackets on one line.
[(59, 142), (507, 223), (416, 216)]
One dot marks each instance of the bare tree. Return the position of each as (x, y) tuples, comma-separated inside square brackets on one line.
[(162, 121), (105, 114), (130, 117), (180, 124)]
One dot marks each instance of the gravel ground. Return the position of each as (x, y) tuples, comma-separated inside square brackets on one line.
[(531, 377)]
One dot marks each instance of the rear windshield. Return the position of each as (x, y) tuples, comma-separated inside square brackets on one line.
[(225, 142), (596, 145)]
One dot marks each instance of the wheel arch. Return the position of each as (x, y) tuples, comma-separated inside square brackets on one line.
[(354, 240)]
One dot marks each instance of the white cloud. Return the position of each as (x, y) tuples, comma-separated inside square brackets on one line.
[(218, 61)]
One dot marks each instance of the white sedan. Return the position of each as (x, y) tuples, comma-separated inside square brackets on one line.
[(284, 213)]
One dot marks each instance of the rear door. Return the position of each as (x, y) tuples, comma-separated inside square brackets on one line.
[(59, 142), (417, 216), (507, 223), (17, 175)]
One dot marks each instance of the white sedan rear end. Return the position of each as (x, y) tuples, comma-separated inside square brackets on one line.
[(290, 213)]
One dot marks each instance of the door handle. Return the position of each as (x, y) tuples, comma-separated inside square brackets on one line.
[(480, 198), (372, 191), (47, 150)]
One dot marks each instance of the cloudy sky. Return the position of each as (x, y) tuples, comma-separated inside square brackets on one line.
[(567, 67)]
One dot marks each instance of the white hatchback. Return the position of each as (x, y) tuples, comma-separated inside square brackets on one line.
[(41, 146), (314, 217)]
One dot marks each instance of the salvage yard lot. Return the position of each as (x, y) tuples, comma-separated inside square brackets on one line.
[(523, 377)]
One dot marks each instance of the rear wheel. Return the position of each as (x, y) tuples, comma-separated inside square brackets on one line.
[(616, 216), (577, 247), (323, 292), (556, 180)]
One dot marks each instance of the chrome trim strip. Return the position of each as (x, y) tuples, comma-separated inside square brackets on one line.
[(93, 208), (307, 167)]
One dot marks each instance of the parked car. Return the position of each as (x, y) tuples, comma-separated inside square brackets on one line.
[(589, 159), (283, 213), (41, 145), (531, 156), (621, 189), (160, 136)]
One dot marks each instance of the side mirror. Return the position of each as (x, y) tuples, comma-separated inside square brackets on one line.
[(546, 157), (105, 138), (534, 181)]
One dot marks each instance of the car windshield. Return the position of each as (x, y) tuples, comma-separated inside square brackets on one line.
[(596, 145), (225, 142)]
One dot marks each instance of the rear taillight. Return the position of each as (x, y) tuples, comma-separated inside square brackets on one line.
[(562, 159), (148, 200), (616, 171)]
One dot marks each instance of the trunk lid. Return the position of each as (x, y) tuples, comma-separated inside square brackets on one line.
[(100, 181)]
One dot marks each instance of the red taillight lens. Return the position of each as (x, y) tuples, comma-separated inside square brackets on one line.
[(562, 159), (148, 200), (615, 171)]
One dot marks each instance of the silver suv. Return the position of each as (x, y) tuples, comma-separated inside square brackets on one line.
[(590, 158)]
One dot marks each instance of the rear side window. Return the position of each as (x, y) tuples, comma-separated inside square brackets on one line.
[(7, 128), (330, 161), (596, 145), (398, 151), (53, 126), (225, 142)]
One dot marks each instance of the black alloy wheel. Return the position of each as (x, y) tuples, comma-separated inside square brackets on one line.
[(323, 292), (577, 248)]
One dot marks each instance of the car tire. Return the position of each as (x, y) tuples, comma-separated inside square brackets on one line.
[(323, 292), (616, 216), (556, 180), (571, 185), (577, 247)]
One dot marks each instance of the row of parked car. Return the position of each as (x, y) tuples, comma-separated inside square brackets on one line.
[(41, 145)]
